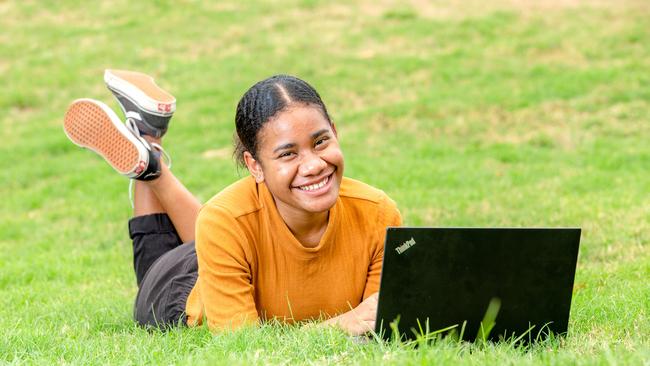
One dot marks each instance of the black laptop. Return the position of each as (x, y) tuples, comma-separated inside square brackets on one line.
[(497, 283)]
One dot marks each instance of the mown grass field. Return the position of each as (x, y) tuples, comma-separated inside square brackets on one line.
[(514, 113)]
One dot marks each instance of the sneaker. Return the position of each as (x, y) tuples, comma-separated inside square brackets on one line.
[(142, 100), (93, 125)]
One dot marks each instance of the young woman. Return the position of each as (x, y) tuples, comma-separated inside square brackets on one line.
[(293, 241)]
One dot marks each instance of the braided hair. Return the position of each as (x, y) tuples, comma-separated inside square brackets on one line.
[(265, 100)]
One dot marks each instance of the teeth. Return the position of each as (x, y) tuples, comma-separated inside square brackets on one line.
[(313, 187)]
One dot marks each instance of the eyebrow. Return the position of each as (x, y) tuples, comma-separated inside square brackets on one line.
[(291, 144), (284, 147), (320, 132)]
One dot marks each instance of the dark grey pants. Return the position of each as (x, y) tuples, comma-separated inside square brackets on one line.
[(166, 271)]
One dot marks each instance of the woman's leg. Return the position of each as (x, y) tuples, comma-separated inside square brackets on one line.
[(168, 210), (164, 217), (134, 91), (166, 194), (145, 201)]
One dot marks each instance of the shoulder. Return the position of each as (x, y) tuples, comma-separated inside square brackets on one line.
[(223, 224), (357, 190), (354, 190), (238, 199), (357, 195)]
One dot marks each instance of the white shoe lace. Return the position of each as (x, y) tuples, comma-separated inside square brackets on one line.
[(131, 125)]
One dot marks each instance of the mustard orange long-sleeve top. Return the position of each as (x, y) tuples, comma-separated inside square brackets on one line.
[(251, 267)]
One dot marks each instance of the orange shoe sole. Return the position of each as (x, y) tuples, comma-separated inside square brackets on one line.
[(145, 83), (93, 125)]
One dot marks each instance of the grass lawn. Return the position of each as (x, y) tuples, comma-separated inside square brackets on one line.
[(516, 113)]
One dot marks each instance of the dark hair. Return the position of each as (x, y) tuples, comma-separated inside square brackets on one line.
[(262, 102)]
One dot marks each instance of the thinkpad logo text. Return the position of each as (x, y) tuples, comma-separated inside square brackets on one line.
[(407, 244)]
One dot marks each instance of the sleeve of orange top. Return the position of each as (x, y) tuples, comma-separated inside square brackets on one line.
[(224, 272), (391, 217)]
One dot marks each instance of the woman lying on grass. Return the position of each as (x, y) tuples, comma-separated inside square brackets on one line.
[(293, 241)]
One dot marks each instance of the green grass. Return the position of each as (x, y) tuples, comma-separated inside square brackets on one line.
[(532, 114)]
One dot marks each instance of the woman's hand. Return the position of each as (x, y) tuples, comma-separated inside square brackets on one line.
[(359, 320)]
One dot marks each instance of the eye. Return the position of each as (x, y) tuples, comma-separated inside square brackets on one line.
[(321, 141), (285, 154)]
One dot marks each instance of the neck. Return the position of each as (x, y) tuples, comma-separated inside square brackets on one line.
[(308, 228)]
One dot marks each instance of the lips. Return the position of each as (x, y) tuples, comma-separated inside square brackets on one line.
[(312, 187), (315, 186)]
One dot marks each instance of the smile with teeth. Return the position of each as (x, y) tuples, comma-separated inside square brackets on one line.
[(315, 186)]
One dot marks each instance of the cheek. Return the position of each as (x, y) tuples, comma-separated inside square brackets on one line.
[(284, 174), (334, 156)]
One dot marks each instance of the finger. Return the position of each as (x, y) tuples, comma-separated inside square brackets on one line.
[(370, 325), (372, 306), (371, 301)]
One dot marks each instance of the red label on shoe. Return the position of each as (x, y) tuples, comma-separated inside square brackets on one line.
[(164, 107), (140, 168)]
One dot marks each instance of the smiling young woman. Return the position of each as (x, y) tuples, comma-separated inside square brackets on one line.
[(294, 241), (301, 154)]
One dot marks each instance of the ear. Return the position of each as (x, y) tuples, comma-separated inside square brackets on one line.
[(334, 129), (254, 167)]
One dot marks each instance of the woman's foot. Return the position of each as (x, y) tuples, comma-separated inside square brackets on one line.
[(142, 100), (93, 125)]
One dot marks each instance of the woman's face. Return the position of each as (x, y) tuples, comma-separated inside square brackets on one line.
[(300, 160)]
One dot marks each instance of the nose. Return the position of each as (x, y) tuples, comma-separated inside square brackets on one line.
[(312, 164)]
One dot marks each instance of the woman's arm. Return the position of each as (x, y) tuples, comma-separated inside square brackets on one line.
[(389, 215), (362, 319), (224, 273)]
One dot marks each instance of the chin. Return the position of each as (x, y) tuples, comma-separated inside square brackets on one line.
[(322, 206)]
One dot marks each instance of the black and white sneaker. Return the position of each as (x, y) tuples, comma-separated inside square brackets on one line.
[(142, 100), (93, 125)]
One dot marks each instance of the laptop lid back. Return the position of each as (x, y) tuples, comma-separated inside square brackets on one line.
[(434, 278)]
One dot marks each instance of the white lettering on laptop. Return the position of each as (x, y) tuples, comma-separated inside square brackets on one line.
[(407, 244)]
